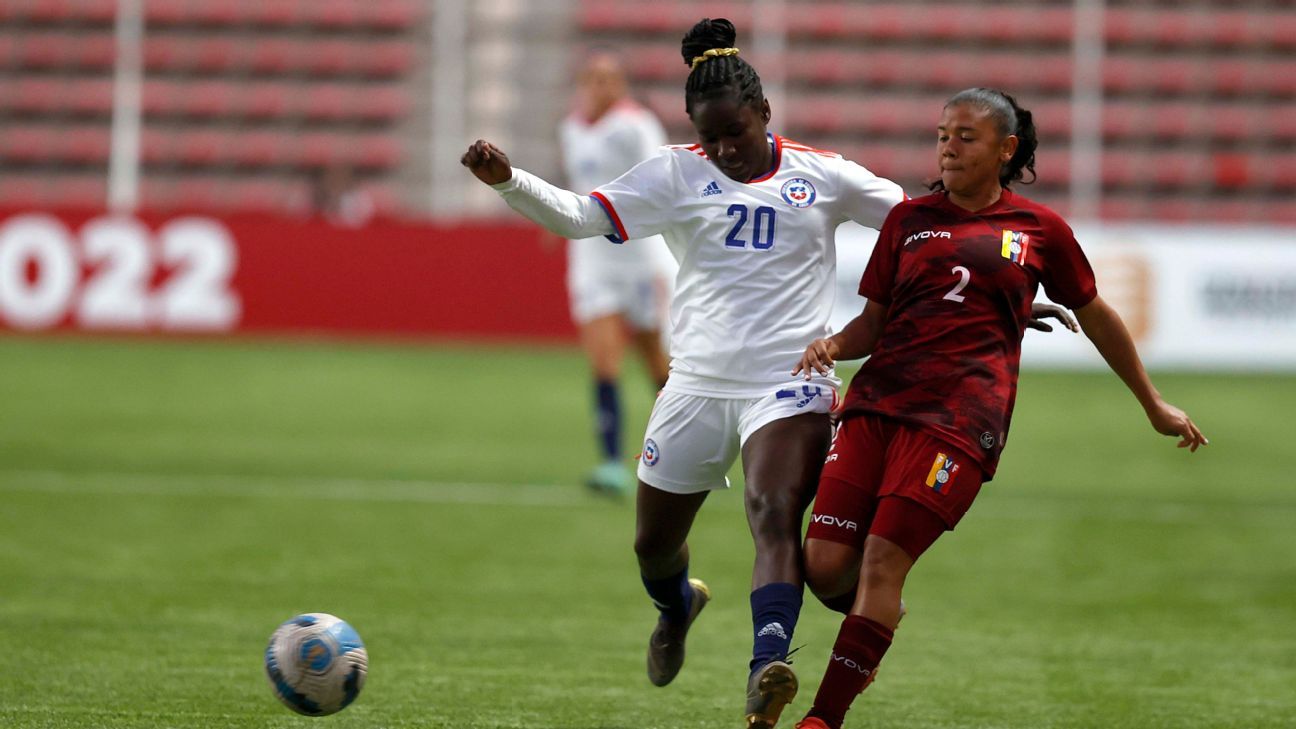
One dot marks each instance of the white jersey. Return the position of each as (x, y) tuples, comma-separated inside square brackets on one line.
[(757, 259), (594, 154)]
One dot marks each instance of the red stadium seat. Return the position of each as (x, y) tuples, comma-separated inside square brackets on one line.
[(24, 191), (392, 14), (202, 147), (84, 145), (37, 95), (196, 193), (156, 145), (377, 151), (389, 58), (214, 55), (88, 96), (261, 149), (79, 191), (327, 102), (207, 99), (257, 196), (274, 55), (265, 100)]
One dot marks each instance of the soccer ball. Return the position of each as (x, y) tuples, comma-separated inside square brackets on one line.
[(316, 664)]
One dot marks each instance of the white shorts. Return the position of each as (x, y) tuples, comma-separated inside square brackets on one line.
[(641, 297), (692, 441)]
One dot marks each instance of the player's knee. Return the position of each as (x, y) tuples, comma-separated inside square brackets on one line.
[(831, 569), (884, 566), (651, 548), (773, 515)]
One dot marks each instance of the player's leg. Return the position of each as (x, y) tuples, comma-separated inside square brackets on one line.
[(928, 488), (866, 634), (604, 340), (781, 461), (843, 510), (689, 445)]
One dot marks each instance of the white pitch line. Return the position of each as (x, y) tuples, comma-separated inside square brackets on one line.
[(1013, 506), (288, 487)]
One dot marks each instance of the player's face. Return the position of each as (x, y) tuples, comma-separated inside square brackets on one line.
[(971, 149), (733, 136), (602, 84)]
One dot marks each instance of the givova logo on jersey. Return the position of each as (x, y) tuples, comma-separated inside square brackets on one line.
[(798, 192)]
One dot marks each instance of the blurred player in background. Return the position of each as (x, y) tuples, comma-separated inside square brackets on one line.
[(619, 294), (950, 287), (751, 217)]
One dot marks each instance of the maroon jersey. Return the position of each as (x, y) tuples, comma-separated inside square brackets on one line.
[(959, 287)]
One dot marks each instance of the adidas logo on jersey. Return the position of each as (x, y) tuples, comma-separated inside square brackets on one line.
[(712, 188)]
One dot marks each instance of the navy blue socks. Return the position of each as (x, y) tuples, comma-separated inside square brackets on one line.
[(775, 608), (609, 418), (672, 595)]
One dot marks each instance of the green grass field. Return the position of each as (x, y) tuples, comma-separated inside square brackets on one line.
[(163, 506)]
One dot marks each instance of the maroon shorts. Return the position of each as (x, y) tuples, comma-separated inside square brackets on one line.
[(874, 458)]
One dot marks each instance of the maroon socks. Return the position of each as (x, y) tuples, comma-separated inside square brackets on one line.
[(860, 645)]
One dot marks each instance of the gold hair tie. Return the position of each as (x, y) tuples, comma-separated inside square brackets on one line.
[(713, 53)]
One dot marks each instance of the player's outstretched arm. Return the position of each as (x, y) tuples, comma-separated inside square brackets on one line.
[(559, 211), (1105, 329), (856, 340)]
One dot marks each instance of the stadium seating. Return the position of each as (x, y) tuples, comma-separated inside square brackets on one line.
[(1199, 101), (241, 98)]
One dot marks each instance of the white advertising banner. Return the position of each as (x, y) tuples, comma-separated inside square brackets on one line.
[(1194, 297)]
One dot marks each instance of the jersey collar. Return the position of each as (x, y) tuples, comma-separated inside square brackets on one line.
[(776, 153), (1005, 197)]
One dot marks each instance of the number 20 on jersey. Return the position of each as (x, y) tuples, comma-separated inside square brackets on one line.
[(760, 232)]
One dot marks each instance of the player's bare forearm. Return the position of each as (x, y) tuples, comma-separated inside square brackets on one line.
[(860, 336), (1112, 339), (856, 340), (1107, 331)]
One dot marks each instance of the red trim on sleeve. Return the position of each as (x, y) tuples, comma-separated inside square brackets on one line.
[(612, 213)]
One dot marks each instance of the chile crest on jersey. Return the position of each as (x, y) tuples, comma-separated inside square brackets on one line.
[(798, 192)]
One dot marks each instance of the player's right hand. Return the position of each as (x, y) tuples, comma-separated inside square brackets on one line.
[(818, 357), (487, 162)]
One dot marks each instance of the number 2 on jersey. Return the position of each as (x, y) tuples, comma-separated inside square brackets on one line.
[(762, 228), (964, 277)]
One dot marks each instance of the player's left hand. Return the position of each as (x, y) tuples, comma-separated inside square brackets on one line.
[(1040, 312), (818, 357), (1170, 420)]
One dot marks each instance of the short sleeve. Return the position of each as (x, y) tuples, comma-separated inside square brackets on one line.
[(879, 276), (1065, 273), (865, 197), (641, 201)]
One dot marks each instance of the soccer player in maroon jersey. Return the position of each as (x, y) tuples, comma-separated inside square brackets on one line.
[(949, 288)]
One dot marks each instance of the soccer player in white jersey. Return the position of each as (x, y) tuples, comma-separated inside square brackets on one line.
[(750, 216), (619, 294)]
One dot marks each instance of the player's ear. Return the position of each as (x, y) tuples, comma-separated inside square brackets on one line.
[(765, 111), (1008, 148)]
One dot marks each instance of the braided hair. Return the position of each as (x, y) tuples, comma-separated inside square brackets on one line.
[(1009, 119), (721, 71)]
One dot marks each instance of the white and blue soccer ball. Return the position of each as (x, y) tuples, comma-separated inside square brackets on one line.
[(316, 664)]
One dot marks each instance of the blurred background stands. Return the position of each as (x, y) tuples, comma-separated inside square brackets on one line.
[(244, 99)]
